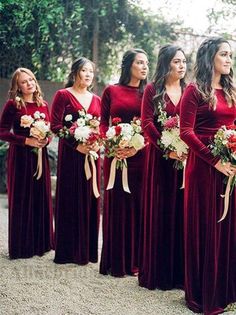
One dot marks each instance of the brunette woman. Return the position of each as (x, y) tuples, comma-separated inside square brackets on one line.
[(161, 246), (76, 207), (210, 256), (121, 210)]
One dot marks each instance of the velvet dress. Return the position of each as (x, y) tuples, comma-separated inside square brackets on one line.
[(29, 199), (161, 245), (210, 247), (76, 208), (121, 210)]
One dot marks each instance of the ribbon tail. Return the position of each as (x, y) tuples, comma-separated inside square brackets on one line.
[(112, 175), (94, 178), (39, 169), (226, 197), (184, 170), (125, 177), (87, 168)]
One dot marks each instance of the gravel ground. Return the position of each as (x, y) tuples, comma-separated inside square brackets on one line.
[(38, 286)]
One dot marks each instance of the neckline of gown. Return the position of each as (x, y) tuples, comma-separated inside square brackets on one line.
[(86, 111)]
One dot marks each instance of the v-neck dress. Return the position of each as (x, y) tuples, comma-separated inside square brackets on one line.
[(76, 208), (161, 241), (29, 199)]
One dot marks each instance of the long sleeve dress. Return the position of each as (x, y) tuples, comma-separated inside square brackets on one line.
[(29, 199), (210, 247), (121, 210), (76, 208), (161, 245)]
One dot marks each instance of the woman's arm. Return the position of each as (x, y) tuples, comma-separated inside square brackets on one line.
[(6, 124), (188, 110)]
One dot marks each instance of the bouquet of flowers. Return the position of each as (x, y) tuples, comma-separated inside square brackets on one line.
[(40, 129), (85, 130), (224, 146), (170, 137), (122, 135)]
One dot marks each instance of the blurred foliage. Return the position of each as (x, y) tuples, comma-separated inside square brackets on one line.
[(46, 35)]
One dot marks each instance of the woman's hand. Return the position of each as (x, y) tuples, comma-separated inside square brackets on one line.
[(173, 155), (36, 143), (226, 168), (85, 148), (125, 153)]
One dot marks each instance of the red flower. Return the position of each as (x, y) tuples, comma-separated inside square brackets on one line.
[(116, 121), (231, 127), (232, 138), (171, 123), (118, 130), (72, 128)]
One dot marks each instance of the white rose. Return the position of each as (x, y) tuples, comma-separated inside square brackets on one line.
[(111, 133), (26, 121), (80, 122), (42, 115), (37, 115), (137, 141), (68, 117), (89, 116)]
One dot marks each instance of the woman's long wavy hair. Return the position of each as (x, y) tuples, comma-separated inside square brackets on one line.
[(165, 55), (127, 61), (204, 72), (76, 68), (15, 93)]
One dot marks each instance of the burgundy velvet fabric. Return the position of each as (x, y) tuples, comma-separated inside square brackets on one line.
[(121, 210), (76, 208), (210, 247), (161, 245), (29, 199)]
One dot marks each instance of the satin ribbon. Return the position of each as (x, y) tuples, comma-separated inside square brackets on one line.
[(88, 173), (39, 169), (112, 175), (226, 197), (184, 169)]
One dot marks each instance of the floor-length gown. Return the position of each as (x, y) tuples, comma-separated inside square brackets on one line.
[(29, 199), (210, 247), (76, 208), (161, 241), (121, 210)]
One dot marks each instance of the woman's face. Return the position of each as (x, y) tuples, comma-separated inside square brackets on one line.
[(223, 59), (85, 76), (178, 66), (139, 68), (26, 84)]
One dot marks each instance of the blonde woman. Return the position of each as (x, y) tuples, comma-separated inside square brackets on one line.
[(29, 196)]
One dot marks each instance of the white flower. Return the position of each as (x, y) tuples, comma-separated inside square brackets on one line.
[(88, 116), (26, 121), (18, 99), (111, 133), (82, 133), (137, 141), (81, 113), (126, 130), (42, 115), (37, 115), (68, 117), (80, 122)]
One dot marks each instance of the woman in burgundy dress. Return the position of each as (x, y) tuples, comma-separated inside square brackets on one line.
[(161, 246), (121, 211), (210, 246), (29, 198), (76, 207)]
